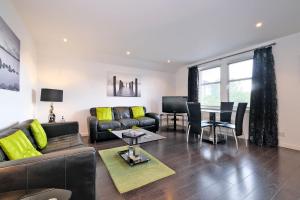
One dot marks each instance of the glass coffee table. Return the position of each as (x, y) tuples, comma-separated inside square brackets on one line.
[(134, 137)]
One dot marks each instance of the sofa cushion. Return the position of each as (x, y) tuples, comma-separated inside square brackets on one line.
[(17, 146), (121, 113), (25, 127), (63, 142), (104, 113), (39, 134), (146, 121), (105, 125), (4, 133), (137, 111), (129, 123), (3, 157)]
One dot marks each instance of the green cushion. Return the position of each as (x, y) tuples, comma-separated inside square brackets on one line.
[(17, 146), (104, 113), (39, 134), (138, 111)]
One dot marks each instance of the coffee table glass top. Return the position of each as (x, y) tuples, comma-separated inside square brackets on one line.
[(148, 137)]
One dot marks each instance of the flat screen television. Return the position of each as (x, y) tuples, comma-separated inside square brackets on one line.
[(174, 104)]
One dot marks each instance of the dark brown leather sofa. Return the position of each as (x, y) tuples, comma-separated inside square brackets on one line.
[(66, 163), (122, 118)]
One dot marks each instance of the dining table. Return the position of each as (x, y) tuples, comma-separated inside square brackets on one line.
[(213, 138)]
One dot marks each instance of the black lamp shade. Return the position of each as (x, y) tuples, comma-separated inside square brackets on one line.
[(52, 95)]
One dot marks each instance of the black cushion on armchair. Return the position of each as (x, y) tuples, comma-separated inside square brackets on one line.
[(63, 142), (58, 129)]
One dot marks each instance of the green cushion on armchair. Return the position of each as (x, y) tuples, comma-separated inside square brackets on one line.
[(17, 146), (39, 134)]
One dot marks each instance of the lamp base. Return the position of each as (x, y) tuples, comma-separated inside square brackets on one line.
[(51, 117)]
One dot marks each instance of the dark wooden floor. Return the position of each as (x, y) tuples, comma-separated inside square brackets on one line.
[(211, 172)]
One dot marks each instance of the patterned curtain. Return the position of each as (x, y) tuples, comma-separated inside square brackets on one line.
[(193, 84), (263, 129)]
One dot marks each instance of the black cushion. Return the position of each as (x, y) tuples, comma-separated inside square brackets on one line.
[(25, 127), (121, 113), (105, 125), (129, 123), (63, 142), (146, 121), (3, 157)]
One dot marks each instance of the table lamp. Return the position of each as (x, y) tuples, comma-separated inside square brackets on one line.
[(51, 95)]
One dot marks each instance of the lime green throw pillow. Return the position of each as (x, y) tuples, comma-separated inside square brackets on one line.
[(104, 113), (17, 146), (39, 134), (138, 111)]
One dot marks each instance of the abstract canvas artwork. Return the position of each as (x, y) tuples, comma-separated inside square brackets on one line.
[(123, 85), (9, 58)]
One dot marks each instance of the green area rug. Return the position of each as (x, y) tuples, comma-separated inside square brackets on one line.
[(128, 178)]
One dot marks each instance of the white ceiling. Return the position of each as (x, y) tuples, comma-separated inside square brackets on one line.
[(183, 31)]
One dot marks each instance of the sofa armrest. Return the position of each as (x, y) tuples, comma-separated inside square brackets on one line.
[(92, 128), (154, 116), (73, 169), (61, 128)]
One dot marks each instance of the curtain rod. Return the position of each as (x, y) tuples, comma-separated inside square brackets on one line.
[(235, 54)]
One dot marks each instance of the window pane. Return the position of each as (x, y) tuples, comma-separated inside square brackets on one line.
[(241, 70), (210, 75), (210, 95), (240, 91)]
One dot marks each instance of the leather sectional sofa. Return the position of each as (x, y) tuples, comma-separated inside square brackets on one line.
[(66, 163), (122, 118)]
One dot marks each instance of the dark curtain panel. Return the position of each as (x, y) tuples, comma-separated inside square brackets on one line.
[(193, 84), (263, 120)]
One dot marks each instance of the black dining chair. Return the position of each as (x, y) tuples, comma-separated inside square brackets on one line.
[(195, 120), (237, 127), (225, 117)]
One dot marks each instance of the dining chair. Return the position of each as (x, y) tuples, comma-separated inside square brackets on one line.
[(237, 127), (195, 119), (225, 117)]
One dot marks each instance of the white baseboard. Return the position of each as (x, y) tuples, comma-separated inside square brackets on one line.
[(84, 133), (289, 146)]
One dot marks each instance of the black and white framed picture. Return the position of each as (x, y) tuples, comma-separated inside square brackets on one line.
[(123, 85), (9, 58)]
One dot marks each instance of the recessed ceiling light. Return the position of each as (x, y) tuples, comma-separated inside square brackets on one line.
[(168, 61), (259, 24), (65, 39), (128, 53)]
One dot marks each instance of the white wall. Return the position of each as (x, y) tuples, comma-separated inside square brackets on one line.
[(287, 59), (18, 106), (84, 85), (287, 66)]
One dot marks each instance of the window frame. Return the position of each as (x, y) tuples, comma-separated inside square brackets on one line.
[(224, 76), (210, 83), (235, 80)]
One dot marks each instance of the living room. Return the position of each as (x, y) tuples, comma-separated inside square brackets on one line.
[(117, 72)]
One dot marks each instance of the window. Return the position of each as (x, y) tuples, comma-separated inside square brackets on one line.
[(210, 87), (240, 80)]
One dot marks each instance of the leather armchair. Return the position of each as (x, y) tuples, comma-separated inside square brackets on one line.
[(157, 119), (66, 163), (73, 169)]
